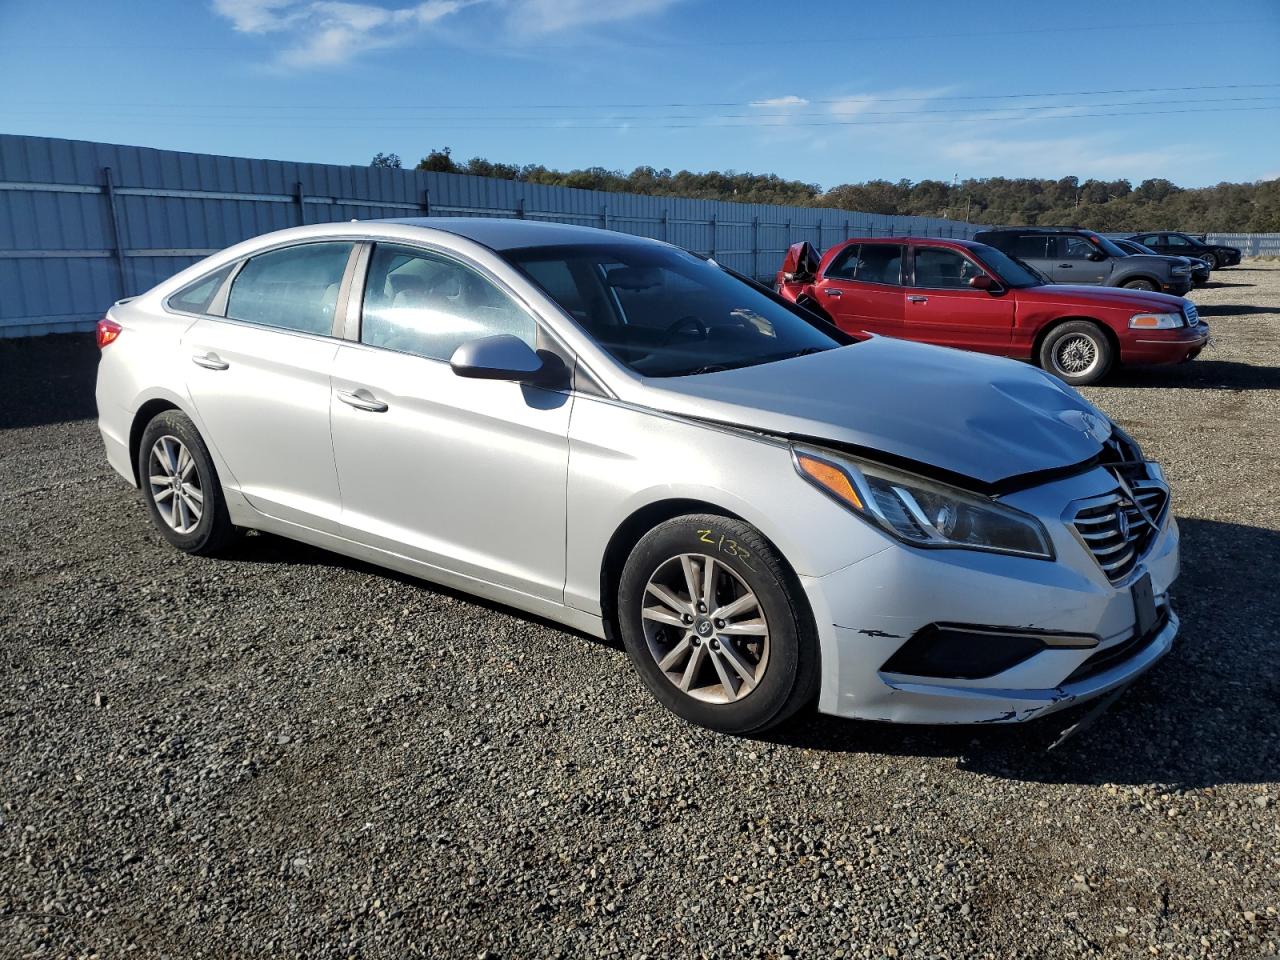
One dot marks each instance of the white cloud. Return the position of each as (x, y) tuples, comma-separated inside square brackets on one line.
[(554, 16), (791, 100)]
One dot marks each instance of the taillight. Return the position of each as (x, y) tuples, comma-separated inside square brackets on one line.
[(108, 330)]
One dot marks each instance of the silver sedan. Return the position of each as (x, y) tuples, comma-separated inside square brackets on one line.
[(618, 435)]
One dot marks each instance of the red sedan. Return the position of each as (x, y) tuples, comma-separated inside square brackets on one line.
[(963, 294)]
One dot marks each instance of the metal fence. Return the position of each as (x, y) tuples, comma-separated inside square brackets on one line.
[(1250, 244), (84, 224)]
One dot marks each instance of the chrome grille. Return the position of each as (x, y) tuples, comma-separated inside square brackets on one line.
[(1191, 314), (1114, 531)]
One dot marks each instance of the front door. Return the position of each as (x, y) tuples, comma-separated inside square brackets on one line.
[(468, 476), (942, 308), (1072, 264), (259, 381)]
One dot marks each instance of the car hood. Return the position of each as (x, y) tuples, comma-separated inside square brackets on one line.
[(1117, 297), (984, 418)]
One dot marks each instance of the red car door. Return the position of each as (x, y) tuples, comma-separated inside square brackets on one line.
[(861, 288), (942, 308)]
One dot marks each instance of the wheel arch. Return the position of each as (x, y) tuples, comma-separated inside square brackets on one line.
[(1146, 277), (146, 412)]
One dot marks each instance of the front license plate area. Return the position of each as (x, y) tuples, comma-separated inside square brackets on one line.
[(1144, 605)]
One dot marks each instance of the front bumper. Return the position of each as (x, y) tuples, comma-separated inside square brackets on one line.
[(873, 607), (1164, 346), (1178, 286)]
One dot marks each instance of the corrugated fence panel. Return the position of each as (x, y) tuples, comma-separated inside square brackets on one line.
[(84, 224)]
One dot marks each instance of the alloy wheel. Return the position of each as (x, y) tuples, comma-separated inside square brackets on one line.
[(174, 483), (1076, 355), (705, 628)]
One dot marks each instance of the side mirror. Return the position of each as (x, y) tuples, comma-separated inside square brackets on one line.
[(982, 282), (1096, 256), (505, 357)]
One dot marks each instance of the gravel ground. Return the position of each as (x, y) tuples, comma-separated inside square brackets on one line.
[(285, 753)]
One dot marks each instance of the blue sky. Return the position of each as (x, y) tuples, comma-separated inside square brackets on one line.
[(823, 92)]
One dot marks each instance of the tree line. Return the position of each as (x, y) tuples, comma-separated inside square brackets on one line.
[(1105, 205)]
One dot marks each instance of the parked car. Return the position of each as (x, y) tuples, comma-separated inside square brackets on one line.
[(1200, 269), (965, 294), (630, 440), (1217, 255), (1084, 257)]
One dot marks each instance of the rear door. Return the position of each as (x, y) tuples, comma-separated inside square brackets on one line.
[(1158, 242), (942, 308), (862, 288), (259, 380)]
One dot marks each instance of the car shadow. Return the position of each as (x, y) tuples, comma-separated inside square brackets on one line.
[(47, 380), (1205, 716), (1233, 310), (1198, 374)]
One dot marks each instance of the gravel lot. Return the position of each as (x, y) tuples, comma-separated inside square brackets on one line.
[(285, 753)]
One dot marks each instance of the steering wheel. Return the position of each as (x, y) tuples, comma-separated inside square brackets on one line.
[(669, 334)]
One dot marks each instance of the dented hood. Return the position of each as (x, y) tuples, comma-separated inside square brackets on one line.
[(986, 418)]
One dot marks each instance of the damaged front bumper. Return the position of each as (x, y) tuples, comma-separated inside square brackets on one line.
[(876, 606)]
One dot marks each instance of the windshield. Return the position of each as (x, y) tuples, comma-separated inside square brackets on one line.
[(1133, 246), (665, 313), (1012, 273)]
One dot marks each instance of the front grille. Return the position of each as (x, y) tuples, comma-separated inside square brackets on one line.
[(1191, 314), (1114, 530)]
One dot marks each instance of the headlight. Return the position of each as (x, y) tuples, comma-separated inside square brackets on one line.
[(1156, 321), (922, 512), (1180, 271)]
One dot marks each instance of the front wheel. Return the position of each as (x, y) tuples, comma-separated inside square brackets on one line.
[(1140, 285), (1077, 352), (1211, 259), (181, 486), (717, 625)]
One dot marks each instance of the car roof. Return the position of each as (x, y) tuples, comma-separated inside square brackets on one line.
[(930, 241), (1034, 230), (504, 233)]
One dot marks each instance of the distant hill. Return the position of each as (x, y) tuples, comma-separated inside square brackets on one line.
[(1110, 205)]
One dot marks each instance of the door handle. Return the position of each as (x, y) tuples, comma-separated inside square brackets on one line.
[(833, 293), (210, 361), (1066, 266), (362, 400), (917, 299)]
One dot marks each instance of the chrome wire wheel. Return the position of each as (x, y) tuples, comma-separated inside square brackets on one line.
[(1076, 355), (174, 482), (705, 628)]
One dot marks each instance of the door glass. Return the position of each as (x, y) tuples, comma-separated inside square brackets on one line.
[(428, 305), (1076, 248), (1032, 248), (845, 264), (880, 263), (1176, 241), (295, 288), (941, 269)]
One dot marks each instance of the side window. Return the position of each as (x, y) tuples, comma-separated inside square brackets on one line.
[(1174, 240), (880, 263), (1148, 239), (295, 288), (943, 269), (1076, 248), (196, 297), (845, 264), (1032, 247), (428, 305)]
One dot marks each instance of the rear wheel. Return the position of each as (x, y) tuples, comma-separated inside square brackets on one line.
[(1077, 352), (181, 486), (717, 626), (1211, 259), (1140, 285)]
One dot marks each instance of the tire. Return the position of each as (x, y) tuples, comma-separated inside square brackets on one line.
[(171, 447), (1212, 260), (1140, 285), (781, 664), (1077, 352)]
